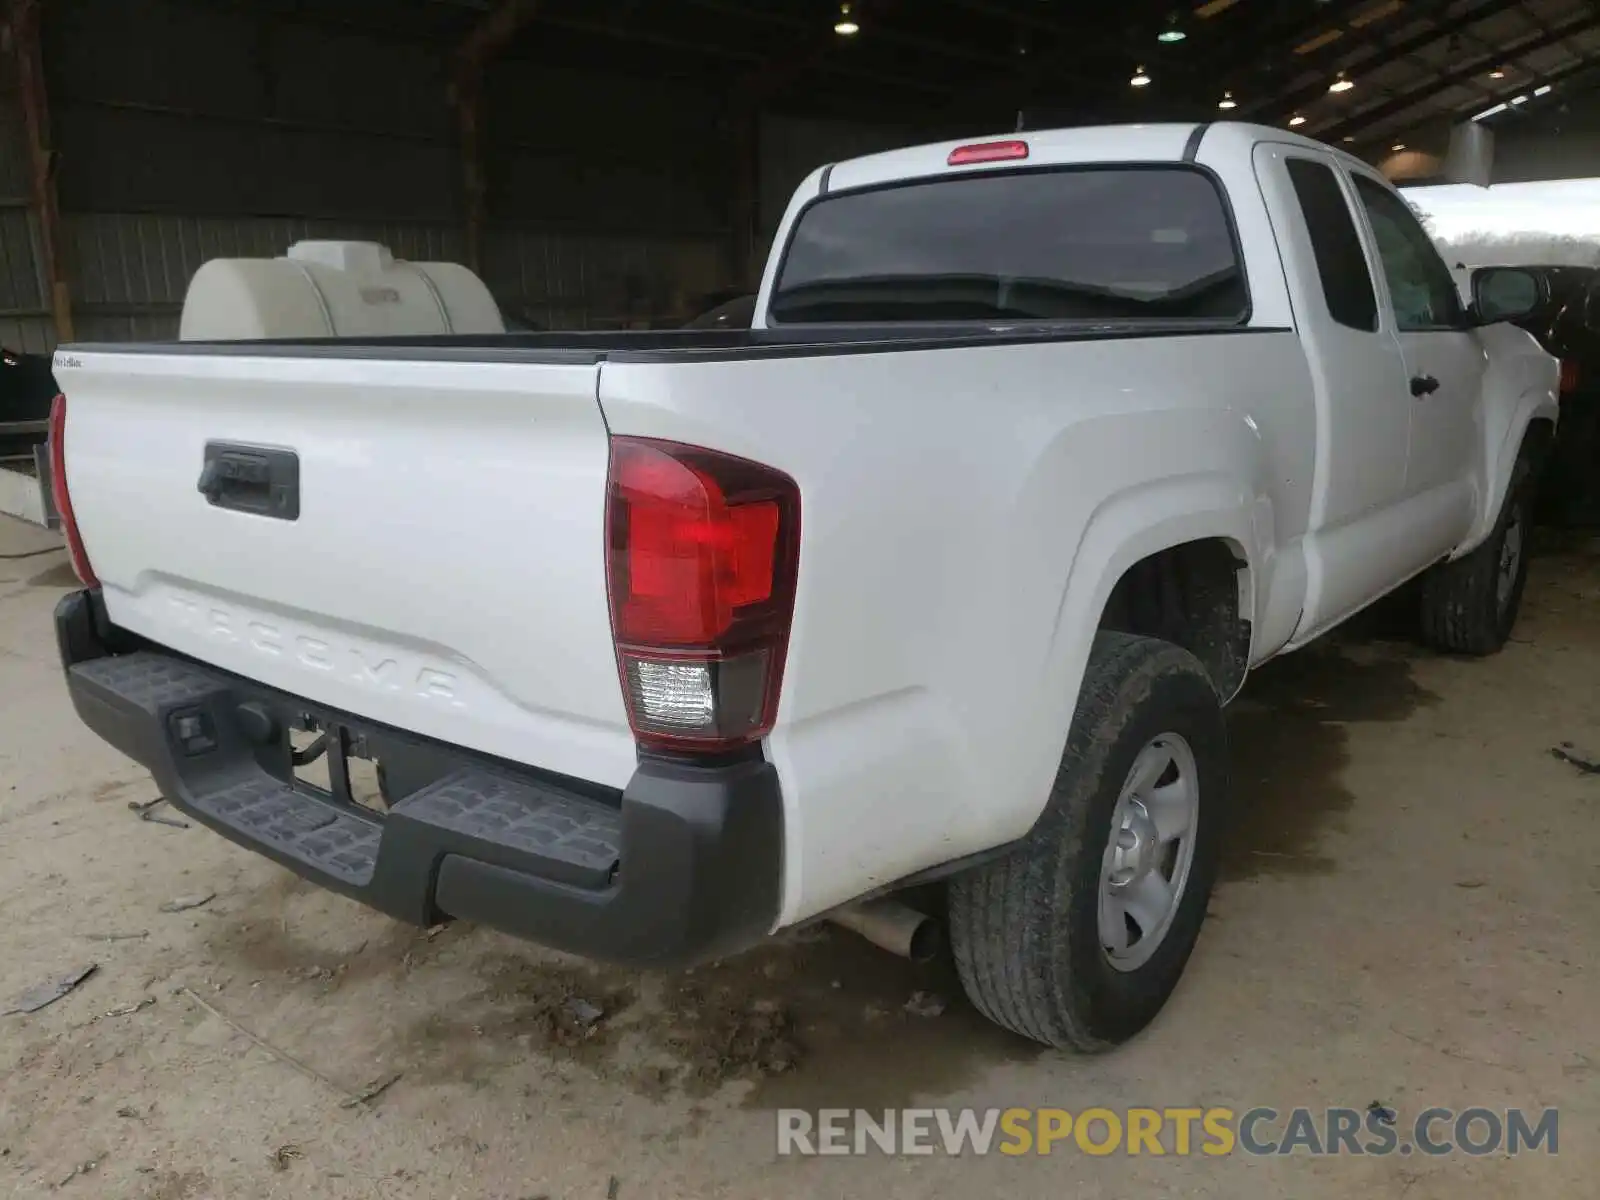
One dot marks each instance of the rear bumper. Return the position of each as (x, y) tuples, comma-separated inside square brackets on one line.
[(683, 865)]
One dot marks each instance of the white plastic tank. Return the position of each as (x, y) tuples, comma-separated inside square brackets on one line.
[(334, 289)]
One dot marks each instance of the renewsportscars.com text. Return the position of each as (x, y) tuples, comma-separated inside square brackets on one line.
[(1212, 1132)]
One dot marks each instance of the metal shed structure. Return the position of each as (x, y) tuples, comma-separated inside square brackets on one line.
[(614, 162)]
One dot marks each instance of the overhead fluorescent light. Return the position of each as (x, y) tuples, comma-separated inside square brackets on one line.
[(1489, 112), (1295, 120), (1542, 91), (1522, 99)]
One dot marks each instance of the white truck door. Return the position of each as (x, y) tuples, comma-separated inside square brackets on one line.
[(1445, 363), (1363, 410)]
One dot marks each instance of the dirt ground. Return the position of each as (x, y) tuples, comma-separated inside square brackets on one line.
[(1410, 914)]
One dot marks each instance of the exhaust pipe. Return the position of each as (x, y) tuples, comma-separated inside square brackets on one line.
[(895, 927)]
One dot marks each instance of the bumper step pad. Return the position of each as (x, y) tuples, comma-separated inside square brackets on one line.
[(344, 844), (579, 841), (683, 865), (525, 824)]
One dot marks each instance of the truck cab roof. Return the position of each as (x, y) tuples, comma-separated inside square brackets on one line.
[(1165, 142)]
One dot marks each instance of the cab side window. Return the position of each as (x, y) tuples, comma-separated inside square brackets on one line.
[(1341, 263), (1420, 288)]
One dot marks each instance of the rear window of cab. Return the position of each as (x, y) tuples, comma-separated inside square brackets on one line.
[(1080, 244)]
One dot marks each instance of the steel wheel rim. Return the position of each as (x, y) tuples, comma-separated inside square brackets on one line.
[(1510, 560), (1149, 851)]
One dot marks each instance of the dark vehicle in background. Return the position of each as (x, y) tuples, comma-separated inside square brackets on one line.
[(1566, 320), (26, 389)]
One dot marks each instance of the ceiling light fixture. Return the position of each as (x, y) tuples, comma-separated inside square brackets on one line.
[(1497, 73), (1542, 91), (1140, 79), (846, 25), (1295, 120), (1489, 112), (1348, 139), (1172, 33), (1227, 101), (1397, 147), (1522, 99), (1341, 84)]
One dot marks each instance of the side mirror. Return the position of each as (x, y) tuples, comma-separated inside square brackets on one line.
[(1505, 294)]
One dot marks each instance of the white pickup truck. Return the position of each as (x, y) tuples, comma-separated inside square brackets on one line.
[(943, 572)]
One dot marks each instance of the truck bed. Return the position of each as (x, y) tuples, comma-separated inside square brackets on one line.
[(587, 348), (446, 574)]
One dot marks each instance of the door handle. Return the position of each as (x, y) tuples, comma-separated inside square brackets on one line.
[(1424, 385), (251, 479)]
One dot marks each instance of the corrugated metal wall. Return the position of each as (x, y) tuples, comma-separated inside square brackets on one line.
[(187, 131), (24, 320), (607, 194), (129, 271)]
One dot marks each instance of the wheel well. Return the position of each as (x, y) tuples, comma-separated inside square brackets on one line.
[(1538, 437), (1192, 595)]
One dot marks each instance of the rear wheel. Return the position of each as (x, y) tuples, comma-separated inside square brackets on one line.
[(1078, 937), (1470, 605)]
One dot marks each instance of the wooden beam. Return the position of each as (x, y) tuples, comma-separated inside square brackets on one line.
[(23, 26), (487, 39), (492, 34)]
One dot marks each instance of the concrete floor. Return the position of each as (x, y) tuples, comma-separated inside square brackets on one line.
[(1409, 916)]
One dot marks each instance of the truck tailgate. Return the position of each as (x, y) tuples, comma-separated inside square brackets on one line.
[(446, 570)]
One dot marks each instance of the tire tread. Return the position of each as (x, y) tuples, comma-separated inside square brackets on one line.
[(1010, 950), (1459, 608)]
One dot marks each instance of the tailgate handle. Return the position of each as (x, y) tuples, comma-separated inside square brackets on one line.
[(252, 479)]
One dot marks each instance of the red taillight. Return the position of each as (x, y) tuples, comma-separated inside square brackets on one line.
[(59, 493), (1569, 375), (982, 152), (703, 549)]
